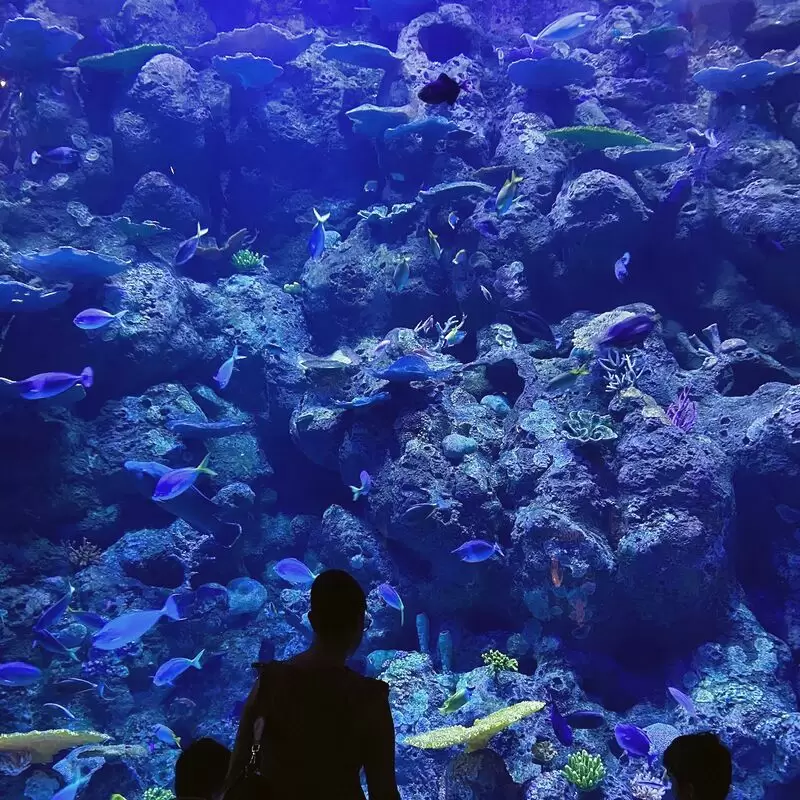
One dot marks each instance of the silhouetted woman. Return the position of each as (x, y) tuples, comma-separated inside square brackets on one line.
[(323, 723)]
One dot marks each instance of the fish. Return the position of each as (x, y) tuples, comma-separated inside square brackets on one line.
[(177, 481), (293, 288), (633, 740), (411, 367), (401, 274), (702, 139), (460, 257), (418, 513), (59, 707), (61, 156), (507, 195), (371, 186), (392, 599), (171, 670), (316, 242), (131, 626), (566, 27), (683, 700), (487, 295), (527, 325), (556, 573), (187, 248), (93, 318), (561, 727), (70, 791), (433, 241), (477, 550), (454, 337), (224, 373), (78, 685), (621, 267), (452, 219), (294, 571), (679, 194), (585, 720), (628, 331), (443, 90), (54, 645), (456, 701), (48, 384), (166, 735), (365, 488), (200, 429), (18, 673), (567, 378), (789, 515), (397, 176), (363, 402), (50, 616)]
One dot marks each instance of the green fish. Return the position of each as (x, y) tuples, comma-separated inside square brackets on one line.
[(508, 193), (436, 248), (456, 701), (568, 378)]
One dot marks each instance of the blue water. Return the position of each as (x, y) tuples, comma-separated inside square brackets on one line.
[(549, 424)]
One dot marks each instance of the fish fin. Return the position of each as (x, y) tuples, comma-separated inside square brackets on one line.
[(87, 377), (171, 608), (356, 490), (402, 614), (121, 314), (201, 231), (35, 157), (203, 466), (73, 653), (322, 217), (196, 660)]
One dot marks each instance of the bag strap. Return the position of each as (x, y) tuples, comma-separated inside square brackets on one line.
[(259, 722)]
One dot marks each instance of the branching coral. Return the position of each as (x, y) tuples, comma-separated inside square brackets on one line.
[(586, 426), (499, 661), (82, 554), (621, 370), (585, 771)]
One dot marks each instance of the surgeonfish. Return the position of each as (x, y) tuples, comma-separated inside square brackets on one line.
[(294, 571), (131, 626), (187, 248), (60, 156), (48, 384), (508, 193), (177, 481), (566, 27), (316, 242), (224, 373), (477, 550), (93, 318), (171, 670)]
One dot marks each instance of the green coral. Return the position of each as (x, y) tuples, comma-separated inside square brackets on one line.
[(585, 771), (597, 137), (586, 426), (499, 661), (245, 260), (157, 793)]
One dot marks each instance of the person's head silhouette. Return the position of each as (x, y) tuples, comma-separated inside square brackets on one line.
[(699, 766), (338, 606), (201, 769)]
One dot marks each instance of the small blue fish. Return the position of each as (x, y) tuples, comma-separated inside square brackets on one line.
[(507, 194), (224, 373), (61, 156), (452, 219), (683, 700), (365, 488), (433, 242), (392, 599), (633, 740), (621, 267), (171, 670), (49, 384), (188, 248), (93, 318), (561, 728), (316, 243), (130, 627), (175, 482), (18, 673), (477, 550), (52, 615), (59, 707), (363, 402), (166, 735), (294, 571), (54, 645), (566, 27), (411, 368)]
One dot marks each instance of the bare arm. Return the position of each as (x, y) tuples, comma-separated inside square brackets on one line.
[(379, 761)]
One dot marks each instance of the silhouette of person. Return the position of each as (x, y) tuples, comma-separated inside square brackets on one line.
[(322, 722), (699, 766), (201, 769)]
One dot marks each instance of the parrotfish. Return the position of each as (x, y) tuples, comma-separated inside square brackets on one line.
[(365, 488), (93, 318), (477, 550), (171, 670), (188, 248), (130, 627), (177, 481), (166, 735), (567, 27), (433, 241), (316, 243), (363, 402), (294, 571), (508, 193), (456, 701), (18, 673), (52, 615), (224, 373), (200, 429), (392, 599), (443, 90), (48, 384), (61, 156)]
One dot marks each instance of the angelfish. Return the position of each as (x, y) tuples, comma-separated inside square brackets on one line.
[(188, 248), (224, 373), (316, 242)]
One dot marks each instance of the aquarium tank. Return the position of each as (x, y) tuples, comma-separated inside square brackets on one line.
[(494, 304)]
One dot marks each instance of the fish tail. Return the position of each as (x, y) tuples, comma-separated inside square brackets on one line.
[(356, 490), (201, 231), (498, 550), (87, 377), (195, 662), (236, 356), (121, 314), (35, 157), (73, 654), (171, 608), (203, 466), (322, 217)]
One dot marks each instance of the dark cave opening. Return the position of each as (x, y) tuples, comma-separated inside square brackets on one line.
[(746, 376), (504, 379), (442, 41)]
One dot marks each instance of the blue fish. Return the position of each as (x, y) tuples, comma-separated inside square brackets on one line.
[(566, 28), (200, 429), (390, 596), (175, 482), (411, 368), (53, 614), (316, 242), (129, 628), (188, 248), (70, 791), (294, 571), (166, 735), (629, 331), (224, 373), (77, 685), (171, 670), (477, 550), (633, 740), (18, 673), (621, 267), (93, 318), (54, 645), (365, 488), (561, 728), (48, 384), (585, 720), (61, 156), (683, 700), (363, 402)]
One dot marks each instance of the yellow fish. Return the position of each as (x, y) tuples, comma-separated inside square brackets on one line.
[(508, 193)]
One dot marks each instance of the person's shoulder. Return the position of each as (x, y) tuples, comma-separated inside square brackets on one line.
[(371, 688)]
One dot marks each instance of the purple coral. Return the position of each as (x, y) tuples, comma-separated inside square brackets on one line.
[(683, 412)]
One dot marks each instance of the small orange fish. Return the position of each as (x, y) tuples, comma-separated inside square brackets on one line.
[(556, 573), (578, 614)]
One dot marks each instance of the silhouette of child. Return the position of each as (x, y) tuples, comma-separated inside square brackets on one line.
[(699, 766), (323, 723), (200, 771)]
